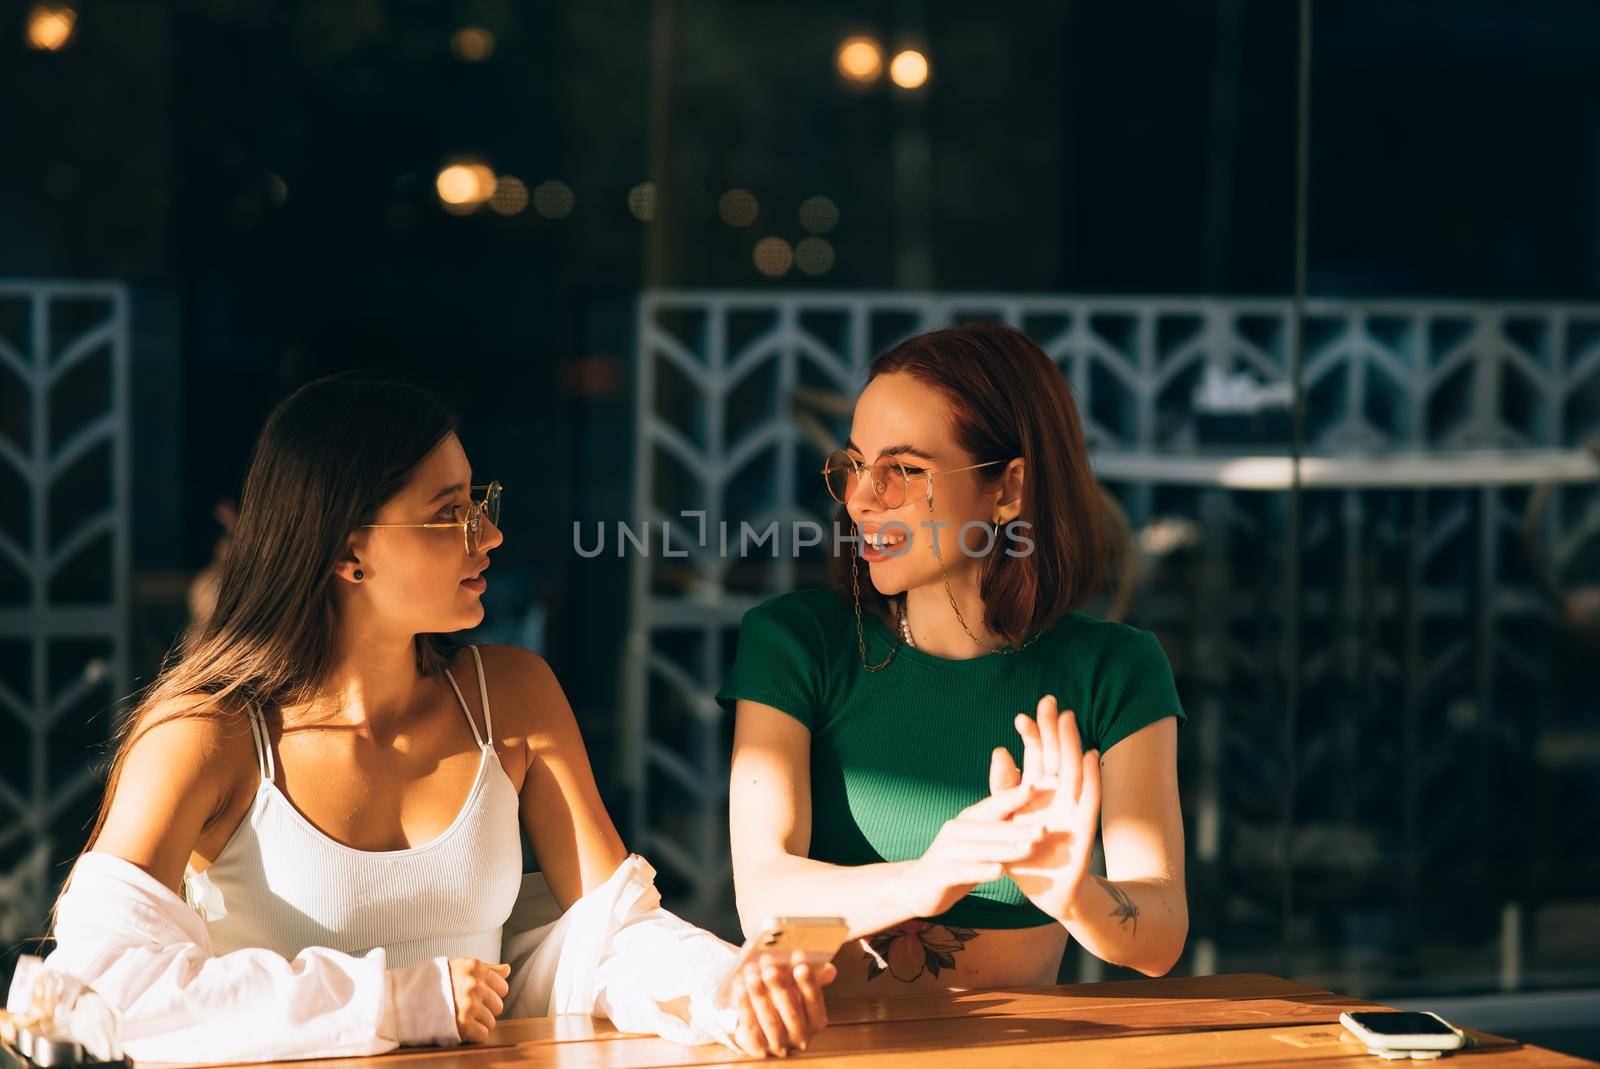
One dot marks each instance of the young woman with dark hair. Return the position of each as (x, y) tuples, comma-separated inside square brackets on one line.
[(298, 773), (878, 727)]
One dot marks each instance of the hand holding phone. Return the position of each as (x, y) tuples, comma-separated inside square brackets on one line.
[(818, 939), (779, 1007)]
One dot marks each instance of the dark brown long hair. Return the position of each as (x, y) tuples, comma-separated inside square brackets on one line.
[(1008, 399), (328, 458)]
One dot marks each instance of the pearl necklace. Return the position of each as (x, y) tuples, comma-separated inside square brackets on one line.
[(905, 625)]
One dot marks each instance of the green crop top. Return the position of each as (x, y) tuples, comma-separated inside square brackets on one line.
[(896, 753)]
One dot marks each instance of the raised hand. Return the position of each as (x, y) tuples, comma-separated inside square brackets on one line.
[(1065, 809), (972, 847)]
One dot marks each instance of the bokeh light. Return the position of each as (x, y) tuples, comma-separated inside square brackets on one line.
[(738, 207), (595, 375), (642, 201), (909, 69), (50, 27), (456, 185), (510, 195), (859, 59), (472, 44), (773, 257), (814, 255), (553, 199), (819, 214), (463, 185)]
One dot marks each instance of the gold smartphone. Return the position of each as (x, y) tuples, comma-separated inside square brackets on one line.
[(818, 938)]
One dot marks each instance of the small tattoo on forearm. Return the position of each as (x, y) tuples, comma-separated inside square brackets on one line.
[(1127, 909)]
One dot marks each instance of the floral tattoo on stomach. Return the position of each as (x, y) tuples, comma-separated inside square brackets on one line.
[(914, 947)]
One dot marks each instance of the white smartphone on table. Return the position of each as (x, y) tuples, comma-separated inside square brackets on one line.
[(1402, 1031), (817, 938)]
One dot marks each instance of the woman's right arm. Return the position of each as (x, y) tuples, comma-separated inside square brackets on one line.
[(123, 928), (769, 807), (177, 774)]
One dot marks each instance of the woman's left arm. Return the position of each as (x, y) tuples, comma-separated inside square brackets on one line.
[(572, 834), (578, 850), (1136, 915)]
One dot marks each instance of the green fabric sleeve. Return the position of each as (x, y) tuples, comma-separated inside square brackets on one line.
[(1134, 689), (775, 666)]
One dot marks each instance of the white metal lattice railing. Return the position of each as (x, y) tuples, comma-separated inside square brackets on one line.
[(64, 442)]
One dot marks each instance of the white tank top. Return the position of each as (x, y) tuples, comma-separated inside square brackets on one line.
[(282, 884)]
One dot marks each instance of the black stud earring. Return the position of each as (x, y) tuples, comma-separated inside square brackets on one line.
[(359, 575)]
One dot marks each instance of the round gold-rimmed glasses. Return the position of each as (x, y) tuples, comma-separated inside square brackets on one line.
[(891, 482), (467, 517)]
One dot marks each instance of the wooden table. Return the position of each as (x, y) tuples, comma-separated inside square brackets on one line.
[(1183, 1021)]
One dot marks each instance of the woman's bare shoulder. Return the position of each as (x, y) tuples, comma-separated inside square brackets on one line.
[(519, 684), (183, 763), (524, 694), (191, 731)]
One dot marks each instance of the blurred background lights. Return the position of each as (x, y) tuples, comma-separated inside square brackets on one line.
[(483, 180), (595, 375), (773, 257), (819, 214), (642, 201), (553, 199), (859, 59), (472, 44), (813, 255), (456, 185), (464, 185), (738, 207), (909, 69), (510, 195), (50, 27)]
